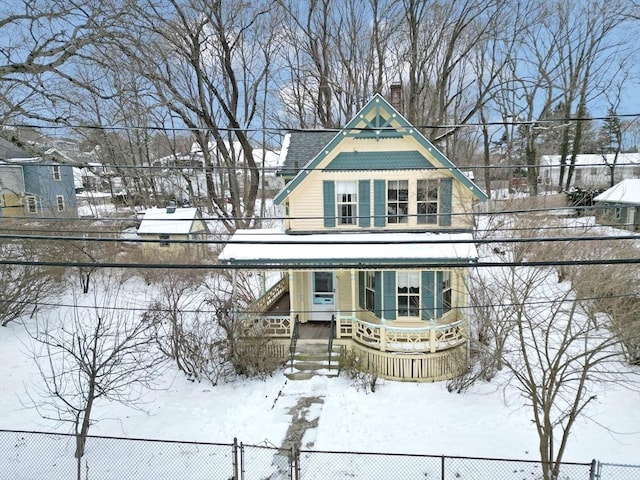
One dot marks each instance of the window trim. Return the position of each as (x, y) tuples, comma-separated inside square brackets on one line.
[(401, 205), (32, 204), (60, 203), (164, 239), (411, 307), (447, 292), (57, 174), (428, 218), (370, 291), (346, 192)]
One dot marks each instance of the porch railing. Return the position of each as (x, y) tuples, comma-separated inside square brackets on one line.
[(270, 297), (430, 338)]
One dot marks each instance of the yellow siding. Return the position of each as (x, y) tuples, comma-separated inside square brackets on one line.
[(306, 201)]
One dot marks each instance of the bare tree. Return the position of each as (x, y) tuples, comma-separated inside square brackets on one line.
[(559, 347), (23, 288), (97, 352)]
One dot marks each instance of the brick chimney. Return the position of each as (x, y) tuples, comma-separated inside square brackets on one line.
[(395, 97)]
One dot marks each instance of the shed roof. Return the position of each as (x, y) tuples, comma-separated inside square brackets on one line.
[(627, 192), (273, 247), (157, 221)]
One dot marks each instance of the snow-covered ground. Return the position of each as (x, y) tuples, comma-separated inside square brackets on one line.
[(399, 417)]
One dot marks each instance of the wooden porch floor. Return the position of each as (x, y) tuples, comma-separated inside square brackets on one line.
[(307, 331)]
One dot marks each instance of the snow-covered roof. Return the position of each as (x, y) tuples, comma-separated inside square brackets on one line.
[(627, 191), (593, 159), (157, 221), (275, 247)]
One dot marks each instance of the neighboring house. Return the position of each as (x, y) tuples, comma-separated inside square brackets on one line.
[(620, 205), (376, 245), (591, 170), (167, 225), (34, 186)]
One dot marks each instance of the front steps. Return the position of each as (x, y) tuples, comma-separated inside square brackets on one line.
[(312, 359)]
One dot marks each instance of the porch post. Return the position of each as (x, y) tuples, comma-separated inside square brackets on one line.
[(292, 316), (353, 293)]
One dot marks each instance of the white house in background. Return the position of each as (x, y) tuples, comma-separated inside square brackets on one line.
[(168, 224), (620, 205), (591, 170)]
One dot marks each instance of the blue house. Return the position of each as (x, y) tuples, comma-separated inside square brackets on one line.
[(34, 185)]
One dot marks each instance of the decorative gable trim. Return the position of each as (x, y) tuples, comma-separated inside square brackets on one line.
[(384, 114)]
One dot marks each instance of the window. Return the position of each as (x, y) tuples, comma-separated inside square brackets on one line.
[(165, 239), (32, 205), (408, 285), (397, 201), (347, 203), (369, 291), (446, 292), (60, 201), (427, 201), (56, 172)]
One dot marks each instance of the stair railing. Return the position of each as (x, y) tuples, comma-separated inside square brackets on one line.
[(332, 333), (294, 340)]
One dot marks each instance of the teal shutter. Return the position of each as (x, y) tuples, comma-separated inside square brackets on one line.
[(389, 303), (428, 295), (361, 290), (445, 201), (364, 203), (377, 299), (329, 200), (379, 203), (438, 294)]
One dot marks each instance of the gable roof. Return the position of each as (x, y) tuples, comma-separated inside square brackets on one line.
[(361, 127), (627, 191), (9, 150), (157, 221), (300, 146)]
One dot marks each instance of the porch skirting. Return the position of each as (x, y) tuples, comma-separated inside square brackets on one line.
[(404, 367), (413, 367)]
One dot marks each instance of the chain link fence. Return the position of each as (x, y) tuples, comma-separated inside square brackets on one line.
[(40, 456)]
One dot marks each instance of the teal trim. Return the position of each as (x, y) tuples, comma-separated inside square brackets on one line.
[(346, 263), (379, 203), (428, 295), (361, 285), (444, 196), (364, 203), (438, 294), (379, 104), (329, 203), (389, 280), (409, 160), (377, 301)]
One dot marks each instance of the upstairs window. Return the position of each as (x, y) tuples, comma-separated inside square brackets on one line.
[(398, 201), (164, 237), (347, 203), (427, 201), (56, 172), (60, 202)]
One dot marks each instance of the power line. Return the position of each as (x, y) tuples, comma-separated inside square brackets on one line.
[(274, 129), (348, 265)]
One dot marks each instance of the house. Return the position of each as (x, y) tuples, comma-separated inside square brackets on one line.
[(170, 227), (620, 205), (34, 185), (591, 170), (376, 244)]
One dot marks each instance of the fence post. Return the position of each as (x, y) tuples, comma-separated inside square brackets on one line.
[(593, 471), (234, 458), (442, 468)]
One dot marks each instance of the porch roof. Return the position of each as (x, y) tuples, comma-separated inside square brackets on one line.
[(273, 247)]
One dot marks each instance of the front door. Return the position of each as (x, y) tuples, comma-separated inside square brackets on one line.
[(322, 296)]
